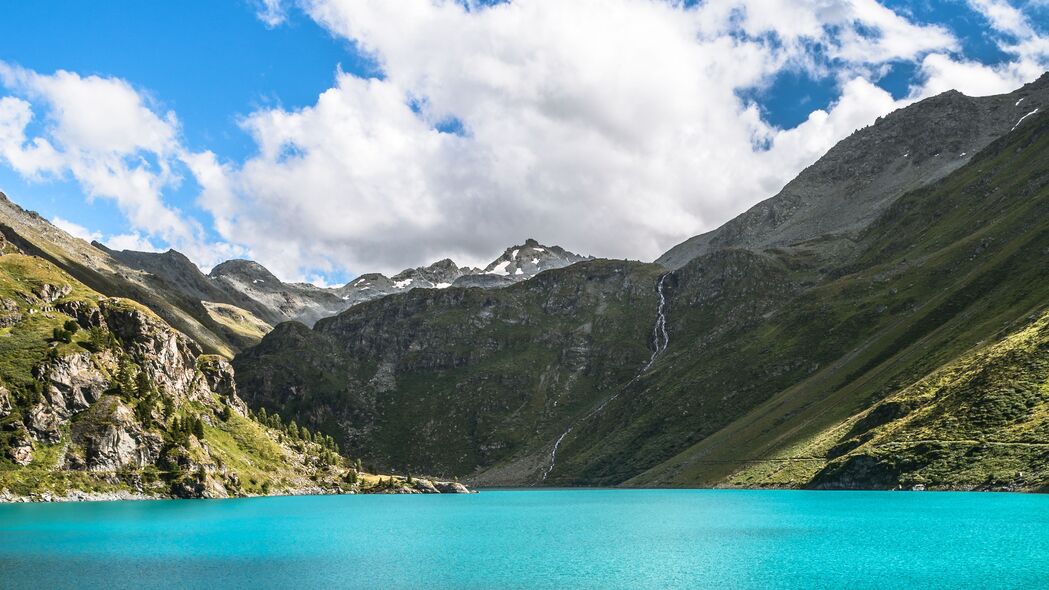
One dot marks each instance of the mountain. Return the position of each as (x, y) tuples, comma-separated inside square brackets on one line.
[(523, 262), (167, 283), (100, 398), (474, 373), (900, 343), (850, 186), (239, 301), (277, 301), (517, 263)]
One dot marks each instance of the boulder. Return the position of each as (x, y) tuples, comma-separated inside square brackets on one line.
[(425, 486), (51, 293), (44, 424), (451, 487)]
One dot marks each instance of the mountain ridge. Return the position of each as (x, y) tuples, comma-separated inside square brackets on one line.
[(843, 191)]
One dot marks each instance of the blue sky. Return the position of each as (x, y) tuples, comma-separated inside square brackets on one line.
[(211, 62), (345, 136)]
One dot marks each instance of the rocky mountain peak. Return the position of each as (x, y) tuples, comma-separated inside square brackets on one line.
[(248, 270), (529, 259), (438, 275)]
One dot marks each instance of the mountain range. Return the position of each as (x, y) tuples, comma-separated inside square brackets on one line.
[(881, 322)]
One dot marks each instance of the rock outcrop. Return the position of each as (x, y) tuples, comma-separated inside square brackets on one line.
[(108, 437)]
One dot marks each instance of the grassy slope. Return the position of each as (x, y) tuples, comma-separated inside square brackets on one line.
[(265, 459), (236, 320), (101, 272), (944, 271)]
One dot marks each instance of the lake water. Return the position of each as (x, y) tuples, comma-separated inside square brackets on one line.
[(536, 539)]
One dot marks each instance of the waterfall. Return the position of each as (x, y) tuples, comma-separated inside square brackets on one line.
[(659, 331), (661, 338)]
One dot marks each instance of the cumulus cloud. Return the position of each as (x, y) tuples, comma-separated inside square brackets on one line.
[(108, 137), (1016, 36), (612, 127), (75, 229)]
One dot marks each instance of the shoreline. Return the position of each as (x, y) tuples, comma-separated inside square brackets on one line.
[(73, 496)]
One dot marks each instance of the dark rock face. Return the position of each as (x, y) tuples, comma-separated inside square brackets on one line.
[(453, 379), (483, 281), (858, 472)]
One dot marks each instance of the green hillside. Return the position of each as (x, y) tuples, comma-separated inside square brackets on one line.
[(944, 282), (100, 397)]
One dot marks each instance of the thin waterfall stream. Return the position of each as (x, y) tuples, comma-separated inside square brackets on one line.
[(662, 339)]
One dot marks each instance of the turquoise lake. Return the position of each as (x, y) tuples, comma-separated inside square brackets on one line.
[(536, 539)]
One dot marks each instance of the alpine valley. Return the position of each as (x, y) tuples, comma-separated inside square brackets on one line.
[(881, 322)]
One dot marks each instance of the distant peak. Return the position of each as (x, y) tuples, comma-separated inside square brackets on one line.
[(241, 267), (531, 243)]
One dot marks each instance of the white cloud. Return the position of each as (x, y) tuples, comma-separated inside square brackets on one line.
[(75, 229), (614, 127), (131, 241), (940, 71), (28, 158), (109, 138), (271, 12)]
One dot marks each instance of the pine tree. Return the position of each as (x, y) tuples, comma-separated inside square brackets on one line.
[(125, 378), (198, 429), (144, 412), (143, 385)]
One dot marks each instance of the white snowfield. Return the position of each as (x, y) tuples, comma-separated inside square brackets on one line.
[(500, 269)]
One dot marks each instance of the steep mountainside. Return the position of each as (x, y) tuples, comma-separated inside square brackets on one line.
[(891, 356), (99, 397), (164, 292), (855, 181)]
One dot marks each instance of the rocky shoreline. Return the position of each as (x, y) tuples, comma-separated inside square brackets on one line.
[(419, 486)]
